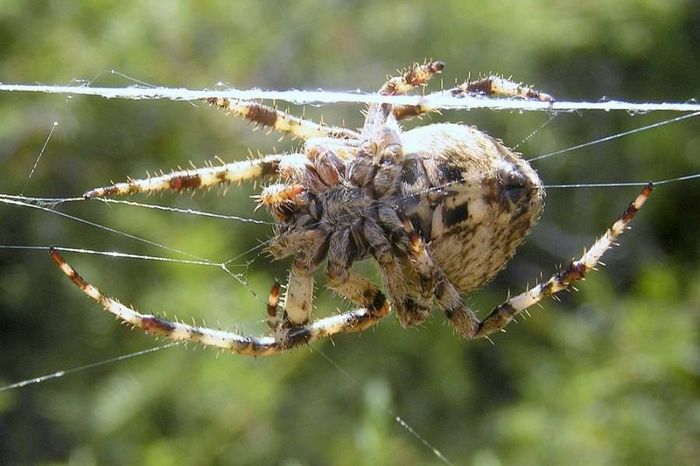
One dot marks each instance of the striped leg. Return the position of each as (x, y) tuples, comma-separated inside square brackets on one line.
[(503, 314), (350, 321), (274, 119), (495, 86), (363, 292), (204, 177), (404, 112), (417, 75), (457, 311), (492, 86), (352, 286)]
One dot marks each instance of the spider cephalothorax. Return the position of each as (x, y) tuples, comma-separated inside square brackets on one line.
[(440, 209)]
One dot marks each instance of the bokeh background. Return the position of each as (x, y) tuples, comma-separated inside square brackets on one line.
[(609, 375)]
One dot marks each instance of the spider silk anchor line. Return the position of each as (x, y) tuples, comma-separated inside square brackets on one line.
[(436, 100)]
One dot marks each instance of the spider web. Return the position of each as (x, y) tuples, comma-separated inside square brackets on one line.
[(236, 267)]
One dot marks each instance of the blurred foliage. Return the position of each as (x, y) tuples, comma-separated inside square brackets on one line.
[(610, 375)]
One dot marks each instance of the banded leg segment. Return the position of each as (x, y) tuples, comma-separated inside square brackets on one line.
[(576, 271), (417, 75), (274, 119), (299, 298), (204, 177), (458, 313), (491, 86), (362, 292), (350, 321), (495, 86)]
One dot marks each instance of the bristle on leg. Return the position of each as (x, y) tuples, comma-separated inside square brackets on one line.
[(292, 337), (566, 278)]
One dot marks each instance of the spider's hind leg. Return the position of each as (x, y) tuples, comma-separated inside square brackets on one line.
[(576, 271), (352, 286)]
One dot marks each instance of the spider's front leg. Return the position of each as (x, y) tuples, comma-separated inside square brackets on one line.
[(491, 86), (205, 177), (496, 86), (269, 117), (416, 76)]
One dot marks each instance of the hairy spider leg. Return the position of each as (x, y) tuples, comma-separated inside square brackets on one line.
[(354, 287), (269, 117), (351, 321), (417, 75), (411, 308), (576, 271), (496, 86), (501, 315), (203, 177), (491, 86), (298, 299), (469, 326)]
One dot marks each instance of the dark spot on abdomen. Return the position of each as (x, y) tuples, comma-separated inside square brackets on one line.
[(455, 215), (450, 173), (410, 171)]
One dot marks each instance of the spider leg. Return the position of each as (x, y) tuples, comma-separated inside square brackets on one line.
[(204, 177), (457, 311), (299, 298), (491, 86), (404, 112), (412, 308), (496, 86), (413, 245), (503, 314), (433, 283), (364, 293), (352, 286), (274, 119), (310, 246), (417, 75), (351, 321)]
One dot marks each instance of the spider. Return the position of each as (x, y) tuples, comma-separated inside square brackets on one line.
[(440, 208)]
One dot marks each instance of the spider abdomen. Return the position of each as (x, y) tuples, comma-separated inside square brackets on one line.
[(483, 200)]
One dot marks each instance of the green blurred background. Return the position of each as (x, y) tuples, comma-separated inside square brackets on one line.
[(611, 375)]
